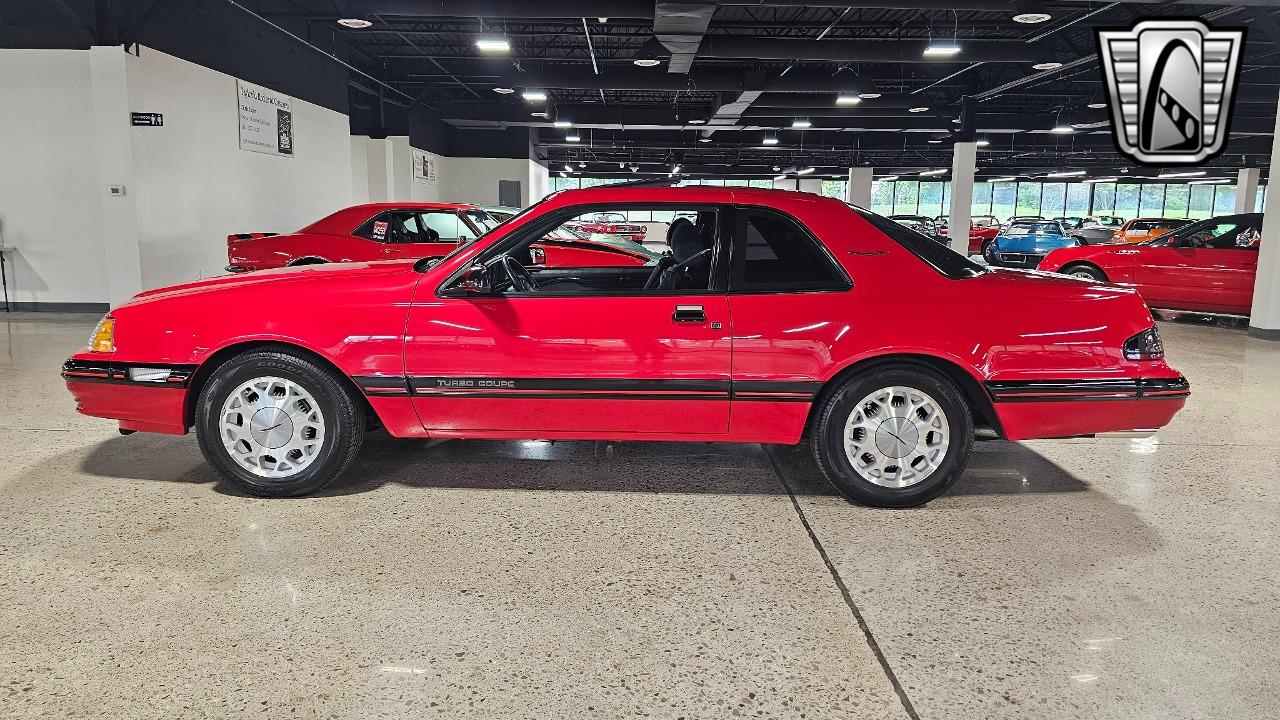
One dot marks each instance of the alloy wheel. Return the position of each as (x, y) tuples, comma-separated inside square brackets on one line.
[(896, 436)]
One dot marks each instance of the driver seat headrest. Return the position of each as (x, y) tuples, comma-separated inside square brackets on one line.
[(685, 240)]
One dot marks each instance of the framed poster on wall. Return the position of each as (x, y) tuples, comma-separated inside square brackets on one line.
[(266, 120), (426, 167)]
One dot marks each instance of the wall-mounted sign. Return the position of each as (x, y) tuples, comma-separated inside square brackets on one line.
[(146, 119), (426, 167), (266, 120)]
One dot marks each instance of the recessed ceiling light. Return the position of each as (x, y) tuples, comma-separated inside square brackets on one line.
[(1063, 129), (776, 168), (918, 109), (805, 171), (1046, 66), (534, 95), (504, 91), (493, 44), (1031, 18), (646, 62), (933, 172), (355, 23), (942, 50), (704, 139), (769, 140), (542, 115), (583, 164), (869, 95), (635, 168), (801, 123), (847, 99), (1096, 106), (568, 167), (562, 123), (573, 137)]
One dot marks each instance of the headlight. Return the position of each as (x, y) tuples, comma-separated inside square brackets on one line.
[(103, 339), (1145, 345)]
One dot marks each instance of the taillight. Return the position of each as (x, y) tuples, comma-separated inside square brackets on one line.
[(1145, 345)]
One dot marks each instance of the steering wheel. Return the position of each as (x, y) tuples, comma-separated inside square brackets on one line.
[(521, 279)]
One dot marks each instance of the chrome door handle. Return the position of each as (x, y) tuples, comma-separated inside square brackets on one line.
[(689, 314)]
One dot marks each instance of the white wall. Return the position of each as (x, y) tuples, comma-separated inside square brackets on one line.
[(50, 200), (475, 180), (195, 185)]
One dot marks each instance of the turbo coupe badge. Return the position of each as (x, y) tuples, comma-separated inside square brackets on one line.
[(1169, 86)]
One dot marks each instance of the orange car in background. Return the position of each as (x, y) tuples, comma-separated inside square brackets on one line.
[(1139, 229)]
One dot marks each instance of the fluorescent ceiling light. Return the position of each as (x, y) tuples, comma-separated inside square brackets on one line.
[(542, 115), (1096, 106), (573, 137), (982, 143), (704, 139), (675, 169), (1189, 173), (493, 44), (918, 109), (1061, 129), (770, 140), (562, 123), (776, 168), (504, 91), (942, 50), (779, 177), (999, 179), (935, 141), (583, 164), (635, 168), (869, 95), (847, 99), (564, 174), (646, 62), (1066, 173), (887, 178), (933, 172), (697, 121), (355, 23), (534, 95), (801, 123), (805, 171), (568, 167), (1046, 66), (1031, 18), (1094, 181), (1209, 182)]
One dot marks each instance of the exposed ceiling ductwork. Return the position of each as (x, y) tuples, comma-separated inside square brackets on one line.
[(679, 26)]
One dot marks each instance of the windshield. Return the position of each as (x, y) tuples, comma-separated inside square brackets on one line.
[(1034, 228), (483, 221)]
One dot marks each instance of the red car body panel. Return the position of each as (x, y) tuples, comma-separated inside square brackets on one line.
[(619, 367), (1174, 278), (978, 234)]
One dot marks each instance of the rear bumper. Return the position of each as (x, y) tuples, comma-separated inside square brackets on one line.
[(1026, 261), (106, 390), (1071, 408)]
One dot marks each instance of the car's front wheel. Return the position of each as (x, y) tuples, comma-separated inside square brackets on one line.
[(277, 424), (989, 252), (1086, 272), (895, 436)]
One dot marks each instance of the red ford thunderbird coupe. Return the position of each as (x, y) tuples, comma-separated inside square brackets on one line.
[(1207, 266), (776, 317)]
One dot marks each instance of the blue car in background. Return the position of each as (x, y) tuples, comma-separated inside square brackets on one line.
[(1024, 243)]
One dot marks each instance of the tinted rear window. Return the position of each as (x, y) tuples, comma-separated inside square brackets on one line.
[(936, 255)]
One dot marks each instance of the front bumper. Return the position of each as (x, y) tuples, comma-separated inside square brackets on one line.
[(107, 390)]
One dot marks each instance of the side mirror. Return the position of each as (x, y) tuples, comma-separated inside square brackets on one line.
[(475, 281)]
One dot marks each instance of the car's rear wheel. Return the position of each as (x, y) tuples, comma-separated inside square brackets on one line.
[(1087, 272), (277, 424), (895, 436)]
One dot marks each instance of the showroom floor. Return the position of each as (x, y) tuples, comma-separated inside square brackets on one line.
[(1116, 579)]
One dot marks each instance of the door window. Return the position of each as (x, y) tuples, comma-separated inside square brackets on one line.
[(778, 254), (1222, 235)]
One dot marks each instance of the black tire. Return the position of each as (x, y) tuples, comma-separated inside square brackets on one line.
[(827, 435), (343, 414), (989, 253), (1089, 272)]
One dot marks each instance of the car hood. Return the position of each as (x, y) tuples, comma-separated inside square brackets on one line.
[(279, 277), (1033, 243)]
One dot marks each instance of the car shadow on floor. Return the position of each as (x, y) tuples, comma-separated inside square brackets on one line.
[(995, 468)]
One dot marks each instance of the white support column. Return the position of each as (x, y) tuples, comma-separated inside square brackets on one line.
[(1247, 190), (964, 162), (789, 183), (109, 68), (1264, 320), (810, 185), (858, 191)]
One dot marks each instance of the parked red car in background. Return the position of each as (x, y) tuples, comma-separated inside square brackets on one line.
[(375, 231), (609, 223), (981, 229), (777, 316), (1207, 266)]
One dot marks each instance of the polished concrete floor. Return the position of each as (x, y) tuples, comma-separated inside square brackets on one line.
[(1089, 579)]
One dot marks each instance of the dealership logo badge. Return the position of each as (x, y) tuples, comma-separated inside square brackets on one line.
[(1170, 85)]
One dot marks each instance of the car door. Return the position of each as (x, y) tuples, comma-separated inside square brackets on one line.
[(780, 295), (591, 353), (426, 233), (1204, 268)]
